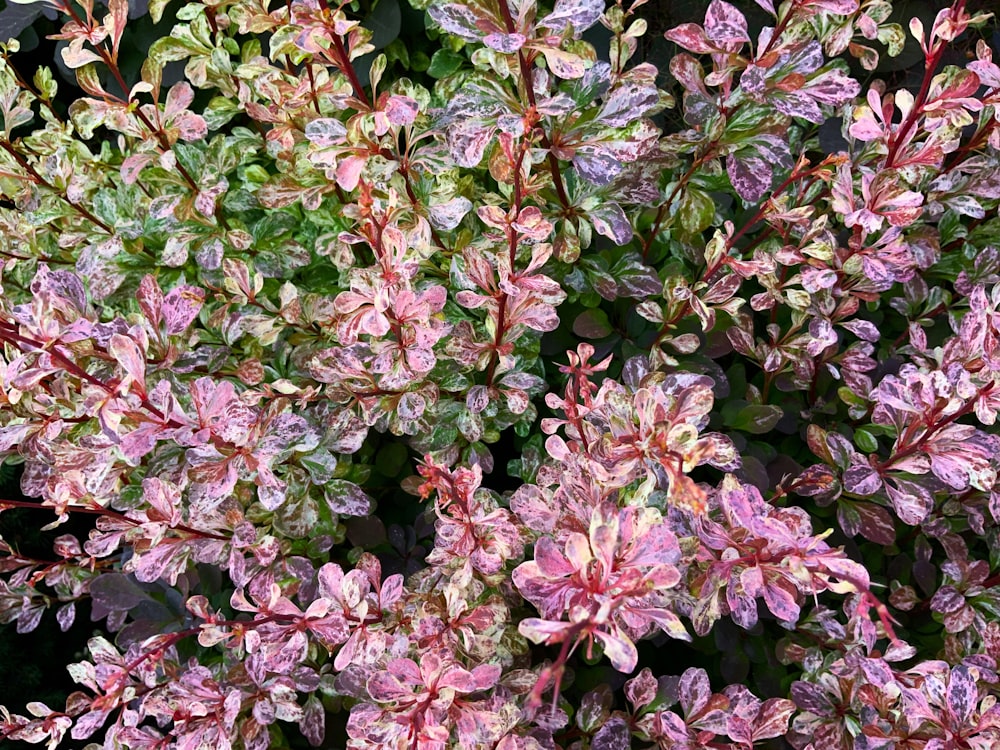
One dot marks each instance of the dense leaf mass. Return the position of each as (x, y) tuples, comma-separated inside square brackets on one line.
[(280, 328)]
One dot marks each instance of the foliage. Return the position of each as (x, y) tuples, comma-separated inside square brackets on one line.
[(245, 308)]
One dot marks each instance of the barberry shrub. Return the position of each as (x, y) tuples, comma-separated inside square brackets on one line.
[(654, 360)]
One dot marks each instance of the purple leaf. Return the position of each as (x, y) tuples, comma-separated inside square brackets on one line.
[(694, 690), (724, 24), (750, 176), (610, 220), (812, 698), (65, 616), (628, 102), (781, 601), (911, 501), (181, 306), (446, 216), (876, 523), (614, 735), (581, 14), (87, 724), (458, 19), (506, 43), (862, 479), (962, 695)]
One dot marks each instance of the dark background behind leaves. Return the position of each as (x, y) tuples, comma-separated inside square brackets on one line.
[(34, 665)]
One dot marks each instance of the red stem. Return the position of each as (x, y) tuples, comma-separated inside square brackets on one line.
[(526, 76)]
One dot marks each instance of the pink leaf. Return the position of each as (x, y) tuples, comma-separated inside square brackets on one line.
[(349, 171), (772, 719), (694, 691), (724, 24), (401, 110), (150, 298), (581, 14), (565, 65), (133, 165), (130, 357), (181, 306), (619, 649), (781, 601), (691, 37)]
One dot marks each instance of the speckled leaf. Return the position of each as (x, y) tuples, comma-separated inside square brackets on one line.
[(581, 14), (346, 498), (750, 176)]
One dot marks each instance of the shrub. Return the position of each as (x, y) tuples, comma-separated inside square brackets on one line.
[(248, 306)]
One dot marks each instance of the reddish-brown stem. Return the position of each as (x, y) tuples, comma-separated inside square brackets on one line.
[(24, 84), (404, 169), (312, 87), (501, 329), (15, 256), (932, 430), (39, 180), (661, 212), (932, 59), (529, 90), (347, 68)]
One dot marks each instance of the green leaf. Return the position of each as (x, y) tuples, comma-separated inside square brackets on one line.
[(952, 227), (444, 63), (756, 418), (696, 210), (384, 22), (865, 441), (391, 458), (592, 324)]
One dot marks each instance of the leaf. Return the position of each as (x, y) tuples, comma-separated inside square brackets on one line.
[(614, 735), (756, 418), (627, 102), (115, 592), (592, 324), (444, 62), (346, 498), (862, 479), (772, 719), (130, 357), (565, 65), (781, 601), (691, 37), (962, 695), (385, 22), (457, 19), (912, 502), (181, 306), (621, 652), (580, 14), (694, 690), (750, 176), (610, 220), (724, 24), (696, 210), (18, 16), (876, 523)]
